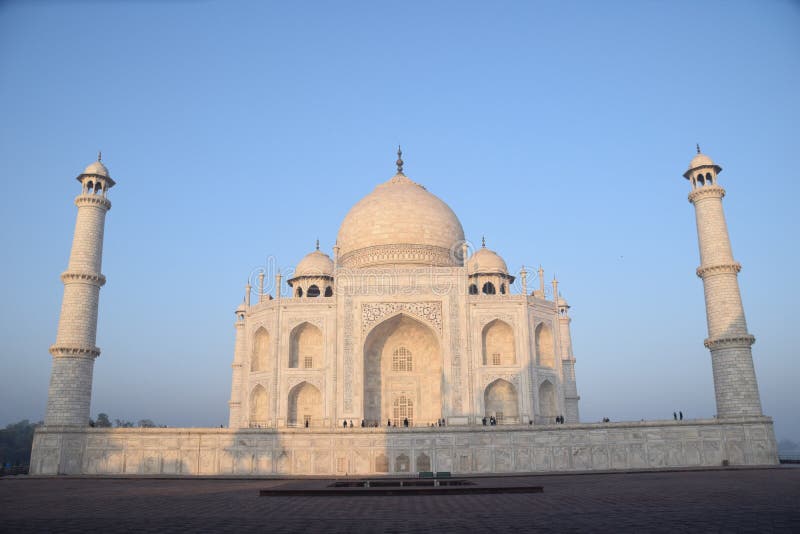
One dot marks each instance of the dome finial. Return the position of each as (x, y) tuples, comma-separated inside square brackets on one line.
[(698, 147), (99, 155), (317, 243), (483, 241), (399, 160)]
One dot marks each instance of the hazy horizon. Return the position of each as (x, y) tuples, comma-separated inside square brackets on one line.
[(240, 133)]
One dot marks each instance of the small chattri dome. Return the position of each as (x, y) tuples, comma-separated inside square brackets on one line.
[(314, 264), (486, 261), (97, 167), (241, 309), (700, 160)]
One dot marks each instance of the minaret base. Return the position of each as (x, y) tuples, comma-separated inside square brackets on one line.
[(70, 393)]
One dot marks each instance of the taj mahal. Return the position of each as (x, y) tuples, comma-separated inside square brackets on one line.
[(405, 350)]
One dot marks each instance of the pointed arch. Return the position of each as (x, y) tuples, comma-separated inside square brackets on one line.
[(489, 289), (498, 343), (545, 349), (313, 291), (305, 404), (548, 406), (258, 405), (402, 358), (259, 357), (423, 462), (305, 346), (500, 400)]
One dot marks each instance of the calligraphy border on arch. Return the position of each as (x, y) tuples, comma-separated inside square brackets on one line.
[(429, 311)]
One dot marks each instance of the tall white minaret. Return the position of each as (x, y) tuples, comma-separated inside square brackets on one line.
[(735, 383), (74, 351)]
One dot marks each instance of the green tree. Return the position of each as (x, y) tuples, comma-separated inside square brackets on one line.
[(16, 441), (102, 421)]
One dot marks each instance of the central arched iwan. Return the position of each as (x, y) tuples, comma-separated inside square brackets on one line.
[(402, 365)]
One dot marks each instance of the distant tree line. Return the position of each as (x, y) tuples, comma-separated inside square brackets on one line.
[(16, 439), (103, 421)]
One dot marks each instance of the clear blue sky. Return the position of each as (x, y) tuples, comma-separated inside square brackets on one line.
[(239, 131)]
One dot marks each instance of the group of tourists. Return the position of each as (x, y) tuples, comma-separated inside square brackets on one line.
[(492, 420), (677, 416)]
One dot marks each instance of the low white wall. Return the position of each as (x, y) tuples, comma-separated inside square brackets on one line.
[(498, 449)]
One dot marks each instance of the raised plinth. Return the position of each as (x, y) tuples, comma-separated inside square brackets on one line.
[(380, 451)]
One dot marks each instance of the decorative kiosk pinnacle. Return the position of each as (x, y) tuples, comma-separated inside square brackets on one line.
[(728, 340)]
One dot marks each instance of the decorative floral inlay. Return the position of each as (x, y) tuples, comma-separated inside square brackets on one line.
[(430, 312)]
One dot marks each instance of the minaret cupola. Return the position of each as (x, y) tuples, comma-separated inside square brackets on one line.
[(702, 170), (95, 178)]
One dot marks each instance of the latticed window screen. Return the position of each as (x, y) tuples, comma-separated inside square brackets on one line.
[(308, 362), (341, 464), (499, 417), (496, 358), (403, 408), (402, 360)]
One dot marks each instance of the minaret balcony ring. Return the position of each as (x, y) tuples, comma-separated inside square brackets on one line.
[(92, 200), (705, 191), (64, 350), (729, 342), (721, 268), (75, 276)]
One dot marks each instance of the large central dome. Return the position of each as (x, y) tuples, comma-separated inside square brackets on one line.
[(400, 222)]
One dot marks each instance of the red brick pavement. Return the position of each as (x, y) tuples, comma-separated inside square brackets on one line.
[(760, 500)]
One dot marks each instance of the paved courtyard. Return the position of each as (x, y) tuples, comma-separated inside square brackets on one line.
[(752, 500)]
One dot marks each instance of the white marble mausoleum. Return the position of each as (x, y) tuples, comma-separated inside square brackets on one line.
[(404, 350)]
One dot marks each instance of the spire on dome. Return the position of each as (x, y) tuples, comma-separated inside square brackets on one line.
[(317, 243), (99, 155), (483, 241), (399, 160), (698, 147)]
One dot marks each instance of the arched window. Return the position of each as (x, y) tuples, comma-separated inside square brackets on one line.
[(502, 289), (498, 344), (473, 289), (402, 409), (548, 407), (305, 342), (329, 291), (299, 292), (545, 354), (98, 187), (402, 464), (709, 179), (488, 289), (305, 404), (258, 359), (700, 179), (500, 401), (258, 405), (313, 291), (402, 360), (89, 187), (423, 462)]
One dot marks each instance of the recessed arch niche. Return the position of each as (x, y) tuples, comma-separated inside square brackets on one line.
[(419, 383)]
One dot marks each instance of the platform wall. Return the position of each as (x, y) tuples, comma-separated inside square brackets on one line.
[(463, 450)]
